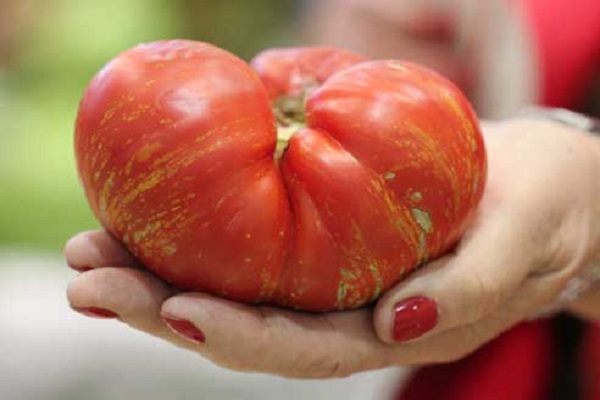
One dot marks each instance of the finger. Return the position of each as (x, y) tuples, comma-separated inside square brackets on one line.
[(266, 339), (237, 336), (461, 288), (133, 296), (456, 343), (96, 249)]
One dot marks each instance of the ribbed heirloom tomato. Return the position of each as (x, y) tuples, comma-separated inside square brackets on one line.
[(314, 179)]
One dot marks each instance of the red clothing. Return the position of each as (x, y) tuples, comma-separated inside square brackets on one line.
[(525, 363), (567, 38), (516, 366)]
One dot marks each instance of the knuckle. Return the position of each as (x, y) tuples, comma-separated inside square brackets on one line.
[(470, 338), (322, 368), (483, 296), (326, 364)]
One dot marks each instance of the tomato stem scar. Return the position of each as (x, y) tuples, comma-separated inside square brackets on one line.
[(284, 134), (290, 115)]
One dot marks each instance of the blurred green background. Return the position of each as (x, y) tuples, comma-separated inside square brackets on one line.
[(50, 50)]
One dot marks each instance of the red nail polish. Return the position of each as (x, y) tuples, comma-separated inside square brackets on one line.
[(96, 312), (413, 317), (185, 329)]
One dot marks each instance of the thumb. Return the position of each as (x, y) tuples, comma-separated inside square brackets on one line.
[(458, 289)]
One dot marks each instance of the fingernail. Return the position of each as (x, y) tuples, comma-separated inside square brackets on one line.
[(79, 268), (96, 312), (413, 317), (185, 329)]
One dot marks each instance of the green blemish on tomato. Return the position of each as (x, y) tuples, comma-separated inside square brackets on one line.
[(422, 249), (378, 281), (389, 176), (416, 197), (347, 274), (342, 289), (423, 219), (284, 134), (170, 249)]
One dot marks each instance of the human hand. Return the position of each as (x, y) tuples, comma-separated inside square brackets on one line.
[(535, 229)]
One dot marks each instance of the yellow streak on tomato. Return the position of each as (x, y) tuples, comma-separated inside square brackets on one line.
[(397, 65), (134, 115), (150, 182), (434, 152), (378, 282), (104, 195), (459, 111), (403, 221), (142, 154), (470, 137), (150, 227), (350, 291), (111, 111), (108, 115), (175, 161)]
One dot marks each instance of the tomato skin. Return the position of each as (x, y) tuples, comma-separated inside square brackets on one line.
[(414, 129), (289, 71), (395, 161), (175, 141), (174, 144)]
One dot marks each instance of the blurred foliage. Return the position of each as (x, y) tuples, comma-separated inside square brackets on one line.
[(66, 42)]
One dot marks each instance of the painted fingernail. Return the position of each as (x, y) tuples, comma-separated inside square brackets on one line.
[(96, 312), (413, 317), (185, 329)]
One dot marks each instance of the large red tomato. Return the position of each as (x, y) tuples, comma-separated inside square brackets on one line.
[(378, 167)]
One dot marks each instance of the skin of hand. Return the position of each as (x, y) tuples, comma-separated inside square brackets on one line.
[(536, 228), (588, 305)]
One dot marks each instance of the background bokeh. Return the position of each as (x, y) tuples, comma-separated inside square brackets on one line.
[(48, 52)]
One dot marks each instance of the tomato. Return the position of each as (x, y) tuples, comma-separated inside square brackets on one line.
[(365, 170)]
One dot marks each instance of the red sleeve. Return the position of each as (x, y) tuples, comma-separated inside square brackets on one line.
[(567, 38)]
